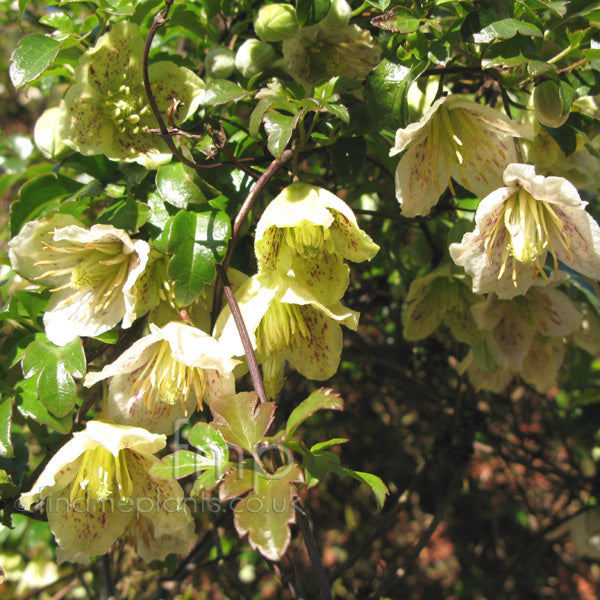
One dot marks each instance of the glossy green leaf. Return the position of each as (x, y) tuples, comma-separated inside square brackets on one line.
[(181, 464), (28, 404), (397, 20), (279, 128), (125, 213), (323, 398), (317, 464), (179, 185), (196, 241), (59, 20), (310, 12), (6, 447), (266, 513), (241, 420), (221, 91), (376, 484), (33, 56), (38, 197), (55, 368)]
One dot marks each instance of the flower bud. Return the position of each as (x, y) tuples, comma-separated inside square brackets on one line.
[(220, 62), (45, 134), (253, 56), (276, 22), (549, 107), (339, 14)]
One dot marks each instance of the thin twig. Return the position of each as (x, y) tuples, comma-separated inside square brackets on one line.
[(107, 578), (243, 331), (240, 220)]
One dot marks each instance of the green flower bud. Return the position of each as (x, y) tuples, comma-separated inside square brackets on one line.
[(253, 56), (549, 107), (220, 62), (339, 14), (276, 22), (45, 134)]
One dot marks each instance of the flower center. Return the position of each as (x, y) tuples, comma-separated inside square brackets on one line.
[(526, 230), (282, 325), (98, 266), (309, 240), (126, 107), (167, 380), (102, 476)]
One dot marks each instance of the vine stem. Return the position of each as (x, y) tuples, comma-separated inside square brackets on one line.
[(240, 220)]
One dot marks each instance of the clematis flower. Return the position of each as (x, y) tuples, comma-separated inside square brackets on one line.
[(455, 139), (98, 488), (522, 337), (518, 225), (107, 111), (93, 274), (304, 234), (284, 325), (319, 52), (163, 377)]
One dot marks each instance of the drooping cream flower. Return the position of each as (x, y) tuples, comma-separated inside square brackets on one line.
[(98, 488), (93, 274), (107, 111), (522, 337), (163, 377), (304, 235), (455, 139), (320, 52), (284, 325), (518, 225)]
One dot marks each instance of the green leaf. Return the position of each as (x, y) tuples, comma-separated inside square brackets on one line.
[(241, 420), (34, 54), (386, 90), (180, 464), (196, 241), (221, 91), (179, 185), (310, 12), (125, 213), (376, 484), (318, 464), (397, 20), (505, 29), (6, 447), (279, 128), (59, 20), (55, 367), (38, 197), (323, 398), (348, 156), (266, 513), (29, 405)]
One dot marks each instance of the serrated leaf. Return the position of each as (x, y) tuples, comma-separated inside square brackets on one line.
[(241, 420), (38, 196), (376, 484), (179, 185), (320, 399), (310, 12), (181, 464), (6, 447), (266, 513), (55, 367), (221, 91), (196, 241), (34, 54), (59, 20)]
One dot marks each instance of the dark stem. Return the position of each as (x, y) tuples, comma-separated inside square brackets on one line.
[(313, 553), (106, 576), (241, 326), (240, 220)]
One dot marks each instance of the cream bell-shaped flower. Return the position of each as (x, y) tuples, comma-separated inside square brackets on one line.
[(98, 488), (92, 273), (304, 235), (163, 377), (455, 139), (107, 111), (518, 225), (285, 325)]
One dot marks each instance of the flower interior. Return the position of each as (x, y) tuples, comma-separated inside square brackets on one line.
[(126, 107), (167, 380), (98, 266), (526, 229), (102, 477), (309, 240)]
